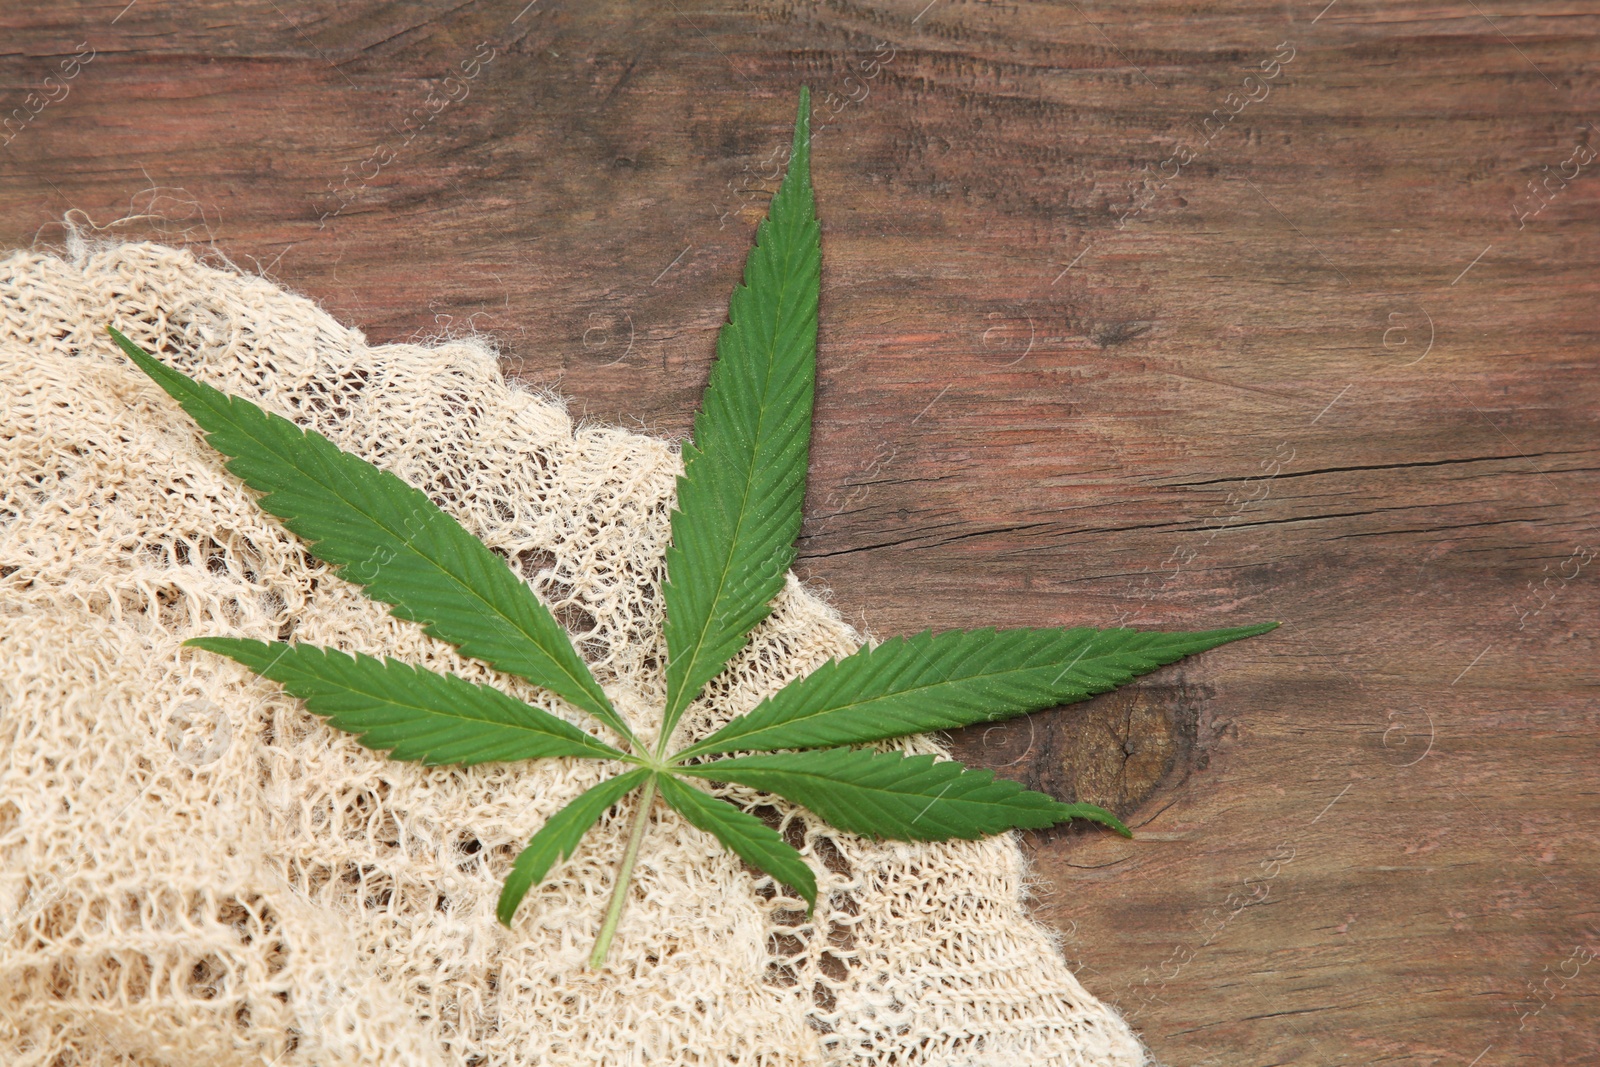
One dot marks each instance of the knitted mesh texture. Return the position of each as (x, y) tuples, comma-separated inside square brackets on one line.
[(196, 872)]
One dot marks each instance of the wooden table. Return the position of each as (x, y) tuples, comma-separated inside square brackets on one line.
[(1150, 314)]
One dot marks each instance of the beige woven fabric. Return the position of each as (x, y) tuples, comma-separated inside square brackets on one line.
[(196, 872)]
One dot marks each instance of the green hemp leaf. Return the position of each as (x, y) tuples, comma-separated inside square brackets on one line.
[(733, 539)]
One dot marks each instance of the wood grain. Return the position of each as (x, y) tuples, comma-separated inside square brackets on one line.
[(1335, 367)]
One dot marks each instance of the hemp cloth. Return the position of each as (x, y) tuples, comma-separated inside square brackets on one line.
[(197, 872)]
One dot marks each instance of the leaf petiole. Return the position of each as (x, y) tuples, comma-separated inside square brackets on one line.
[(619, 895)]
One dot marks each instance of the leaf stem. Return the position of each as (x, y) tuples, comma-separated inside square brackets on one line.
[(619, 895)]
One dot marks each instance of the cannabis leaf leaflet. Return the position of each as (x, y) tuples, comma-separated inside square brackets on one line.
[(938, 682), (755, 842), (733, 533), (417, 714), (391, 539), (559, 837), (744, 474), (889, 794)]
